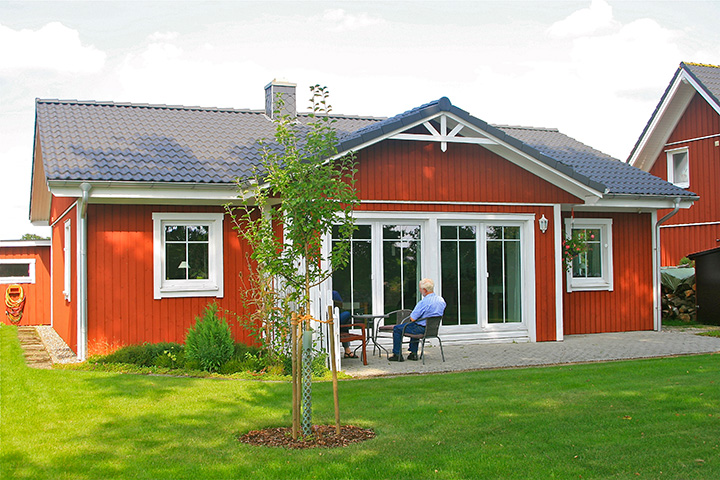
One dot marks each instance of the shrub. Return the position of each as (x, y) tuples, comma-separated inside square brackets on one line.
[(143, 355), (209, 342), (171, 357)]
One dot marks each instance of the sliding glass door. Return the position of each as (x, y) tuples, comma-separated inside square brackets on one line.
[(482, 265), (401, 253), (481, 274)]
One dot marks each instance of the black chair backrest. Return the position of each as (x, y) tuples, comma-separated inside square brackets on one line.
[(401, 315), (432, 326)]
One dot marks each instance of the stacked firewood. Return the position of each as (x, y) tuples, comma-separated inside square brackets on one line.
[(680, 303)]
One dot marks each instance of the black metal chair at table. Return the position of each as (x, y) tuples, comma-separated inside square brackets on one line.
[(400, 316), (432, 328)]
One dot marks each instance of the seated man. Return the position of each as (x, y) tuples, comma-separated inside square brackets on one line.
[(431, 305)]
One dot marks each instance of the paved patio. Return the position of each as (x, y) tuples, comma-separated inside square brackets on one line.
[(599, 347)]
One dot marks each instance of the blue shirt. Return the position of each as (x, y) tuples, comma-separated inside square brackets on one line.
[(431, 305)]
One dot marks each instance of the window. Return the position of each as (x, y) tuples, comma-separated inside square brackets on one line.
[(678, 165), (17, 270), (188, 254), (591, 270)]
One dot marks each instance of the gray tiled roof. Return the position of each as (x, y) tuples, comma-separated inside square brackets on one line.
[(618, 177), (103, 141), (96, 141), (707, 75)]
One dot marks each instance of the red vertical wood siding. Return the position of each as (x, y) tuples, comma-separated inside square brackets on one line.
[(58, 206), (121, 307), (37, 295), (629, 307), (678, 242), (420, 172), (63, 311), (699, 120)]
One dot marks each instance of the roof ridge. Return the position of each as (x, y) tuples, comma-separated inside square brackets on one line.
[(521, 127), (701, 64), (162, 106)]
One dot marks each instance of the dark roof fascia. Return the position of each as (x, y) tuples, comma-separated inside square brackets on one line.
[(654, 114), (695, 255), (431, 109)]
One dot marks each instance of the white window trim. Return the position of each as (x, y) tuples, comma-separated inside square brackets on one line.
[(213, 286), (15, 261), (67, 258), (671, 166), (590, 284)]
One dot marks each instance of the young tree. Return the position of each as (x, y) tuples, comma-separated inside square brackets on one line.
[(303, 189)]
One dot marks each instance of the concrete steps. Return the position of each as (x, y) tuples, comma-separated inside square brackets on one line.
[(36, 355)]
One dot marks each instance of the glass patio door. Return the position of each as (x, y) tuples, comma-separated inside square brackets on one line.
[(354, 281), (481, 275), (401, 264)]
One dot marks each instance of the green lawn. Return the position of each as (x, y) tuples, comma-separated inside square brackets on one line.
[(639, 419)]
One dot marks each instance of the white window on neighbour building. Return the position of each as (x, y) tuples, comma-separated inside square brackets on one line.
[(188, 254), (678, 167), (20, 270), (592, 269)]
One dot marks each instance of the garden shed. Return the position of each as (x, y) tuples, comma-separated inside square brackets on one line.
[(707, 277)]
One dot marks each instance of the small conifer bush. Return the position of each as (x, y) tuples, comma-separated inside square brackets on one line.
[(209, 342)]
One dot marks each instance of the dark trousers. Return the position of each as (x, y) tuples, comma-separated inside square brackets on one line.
[(413, 328)]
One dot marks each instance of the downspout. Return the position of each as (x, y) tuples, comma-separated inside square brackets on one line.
[(82, 335), (658, 260)]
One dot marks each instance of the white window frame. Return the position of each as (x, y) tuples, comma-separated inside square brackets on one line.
[(671, 166), (604, 282), (30, 262), (67, 259), (210, 287)]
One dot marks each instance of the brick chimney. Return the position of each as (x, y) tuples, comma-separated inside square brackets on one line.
[(287, 91)]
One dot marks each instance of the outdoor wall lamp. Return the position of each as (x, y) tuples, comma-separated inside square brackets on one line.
[(543, 223)]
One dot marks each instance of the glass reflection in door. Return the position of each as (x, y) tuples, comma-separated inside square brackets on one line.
[(354, 281), (504, 274), (401, 266), (458, 264)]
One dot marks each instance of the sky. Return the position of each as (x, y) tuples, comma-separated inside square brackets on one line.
[(594, 69)]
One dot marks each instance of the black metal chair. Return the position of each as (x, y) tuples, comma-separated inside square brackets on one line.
[(382, 327), (432, 327)]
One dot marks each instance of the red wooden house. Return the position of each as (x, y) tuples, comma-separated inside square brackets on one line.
[(681, 143), (134, 192)]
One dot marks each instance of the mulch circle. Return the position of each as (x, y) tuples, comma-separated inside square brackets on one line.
[(323, 436)]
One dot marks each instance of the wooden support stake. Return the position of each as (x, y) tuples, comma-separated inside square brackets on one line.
[(333, 368)]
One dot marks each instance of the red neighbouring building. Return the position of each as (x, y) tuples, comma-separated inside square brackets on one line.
[(681, 144), (482, 209)]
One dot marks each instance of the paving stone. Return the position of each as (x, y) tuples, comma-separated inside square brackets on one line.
[(600, 347)]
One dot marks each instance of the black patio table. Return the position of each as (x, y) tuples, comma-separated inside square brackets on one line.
[(369, 321)]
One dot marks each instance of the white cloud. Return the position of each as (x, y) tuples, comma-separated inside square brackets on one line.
[(163, 36), (587, 21), (340, 20), (52, 47)]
